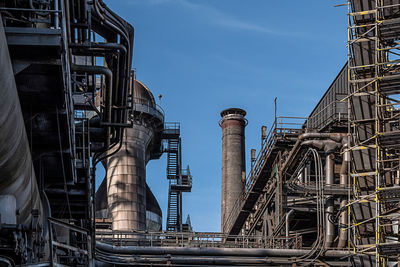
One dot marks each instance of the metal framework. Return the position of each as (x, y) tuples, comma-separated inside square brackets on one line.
[(74, 94), (373, 104), (180, 180)]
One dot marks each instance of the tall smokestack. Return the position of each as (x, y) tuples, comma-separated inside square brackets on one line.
[(233, 159)]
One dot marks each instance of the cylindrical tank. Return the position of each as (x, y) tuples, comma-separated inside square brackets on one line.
[(126, 170), (17, 176), (233, 124)]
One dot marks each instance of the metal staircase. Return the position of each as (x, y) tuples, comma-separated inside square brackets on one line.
[(179, 180), (173, 154)]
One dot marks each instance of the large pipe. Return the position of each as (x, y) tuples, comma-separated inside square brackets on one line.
[(196, 261), (209, 251), (334, 141), (343, 220), (329, 181), (328, 142), (233, 124), (17, 175)]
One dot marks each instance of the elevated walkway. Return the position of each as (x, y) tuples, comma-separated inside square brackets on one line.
[(283, 134)]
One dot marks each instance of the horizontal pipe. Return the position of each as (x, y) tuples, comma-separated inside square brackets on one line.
[(107, 46), (301, 140), (207, 251), (196, 261)]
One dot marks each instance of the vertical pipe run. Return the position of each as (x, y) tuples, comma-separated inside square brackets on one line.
[(233, 126), (344, 182), (287, 227), (329, 181)]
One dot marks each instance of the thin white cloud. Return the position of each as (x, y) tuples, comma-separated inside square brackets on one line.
[(220, 18), (214, 16)]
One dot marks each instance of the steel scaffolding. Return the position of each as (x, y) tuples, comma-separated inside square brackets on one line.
[(373, 105)]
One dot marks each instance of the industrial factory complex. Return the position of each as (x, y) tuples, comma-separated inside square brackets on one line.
[(322, 190)]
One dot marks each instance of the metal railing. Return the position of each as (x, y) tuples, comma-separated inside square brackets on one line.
[(335, 111), (283, 127), (195, 239), (172, 126), (147, 106), (48, 13), (79, 250)]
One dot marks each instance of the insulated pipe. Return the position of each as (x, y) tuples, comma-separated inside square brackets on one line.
[(196, 261), (329, 181), (326, 145), (17, 175), (208, 251), (335, 137), (233, 126), (343, 220)]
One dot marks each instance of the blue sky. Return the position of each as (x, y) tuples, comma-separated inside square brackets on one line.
[(207, 55)]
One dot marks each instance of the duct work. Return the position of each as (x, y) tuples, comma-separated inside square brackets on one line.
[(333, 143)]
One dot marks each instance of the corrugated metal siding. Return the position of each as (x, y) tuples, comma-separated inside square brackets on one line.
[(330, 108)]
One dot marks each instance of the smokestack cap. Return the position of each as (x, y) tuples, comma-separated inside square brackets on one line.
[(233, 111), (233, 114)]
